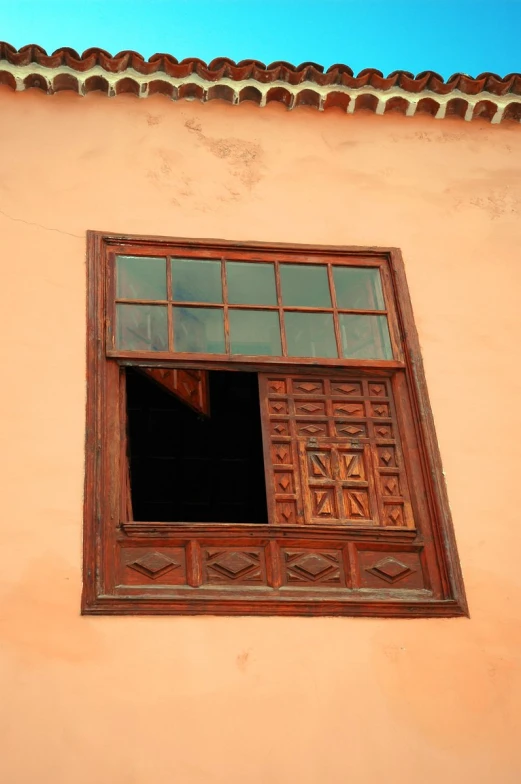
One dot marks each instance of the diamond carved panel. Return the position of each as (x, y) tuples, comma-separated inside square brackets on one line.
[(286, 512), (390, 569), (351, 430), (154, 565), (283, 482), (346, 389), (233, 563), (387, 456), (312, 387), (278, 407), (393, 514), (280, 428), (145, 565), (232, 566), (313, 567), (383, 431), (380, 410), (377, 390), (401, 570), (348, 409), (312, 429), (281, 454), (390, 485), (315, 408), (276, 386)]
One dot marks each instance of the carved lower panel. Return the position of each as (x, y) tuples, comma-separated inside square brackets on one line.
[(269, 563), (313, 568), (234, 566), (396, 570), (152, 566)]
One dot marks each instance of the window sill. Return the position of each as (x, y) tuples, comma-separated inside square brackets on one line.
[(203, 601)]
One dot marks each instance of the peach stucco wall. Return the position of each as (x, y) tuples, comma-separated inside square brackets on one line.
[(190, 700)]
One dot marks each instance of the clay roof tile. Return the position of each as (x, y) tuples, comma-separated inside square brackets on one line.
[(487, 95)]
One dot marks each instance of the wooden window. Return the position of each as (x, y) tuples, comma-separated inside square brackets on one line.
[(259, 437)]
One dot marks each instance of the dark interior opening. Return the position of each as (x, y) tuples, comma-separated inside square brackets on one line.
[(185, 467)]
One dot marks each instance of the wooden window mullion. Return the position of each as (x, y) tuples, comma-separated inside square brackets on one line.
[(226, 317), (332, 292), (282, 325), (169, 306)]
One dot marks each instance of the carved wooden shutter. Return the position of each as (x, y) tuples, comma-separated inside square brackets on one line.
[(333, 452), (190, 386)]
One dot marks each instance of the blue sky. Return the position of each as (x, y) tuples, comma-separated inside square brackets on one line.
[(441, 35)]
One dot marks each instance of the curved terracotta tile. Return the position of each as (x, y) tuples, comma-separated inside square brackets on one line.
[(484, 96)]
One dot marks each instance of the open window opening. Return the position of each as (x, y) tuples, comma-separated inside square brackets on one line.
[(188, 466)]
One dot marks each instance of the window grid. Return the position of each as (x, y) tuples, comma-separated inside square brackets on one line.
[(280, 307)]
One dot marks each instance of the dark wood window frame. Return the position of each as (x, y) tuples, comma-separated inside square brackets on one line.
[(283, 568)]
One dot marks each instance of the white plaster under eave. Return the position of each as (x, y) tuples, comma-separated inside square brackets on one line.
[(47, 77)]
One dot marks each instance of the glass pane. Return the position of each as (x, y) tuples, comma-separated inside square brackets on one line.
[(358, 288), (365, 337), (310, 335), (142, 327), (140, 277), (305, 286), (197, 280), (251, 284), (255, 332), (200, 330)]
